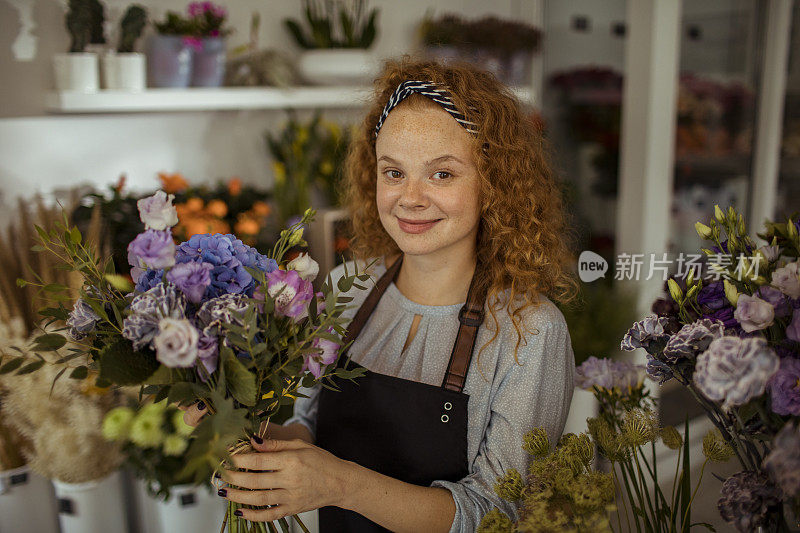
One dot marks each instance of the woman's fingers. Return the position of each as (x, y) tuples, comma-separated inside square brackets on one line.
[(265, 515), (251, 480), (255, 497), (193, 413)]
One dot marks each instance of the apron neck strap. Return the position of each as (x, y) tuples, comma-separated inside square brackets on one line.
[(470, 317)]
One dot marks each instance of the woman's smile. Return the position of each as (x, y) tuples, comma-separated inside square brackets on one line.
[(416, 226)]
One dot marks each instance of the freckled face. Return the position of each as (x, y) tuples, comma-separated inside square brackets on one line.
[(427, 184)]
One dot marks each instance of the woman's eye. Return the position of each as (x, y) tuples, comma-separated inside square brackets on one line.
[(390, 173), (446, 174)]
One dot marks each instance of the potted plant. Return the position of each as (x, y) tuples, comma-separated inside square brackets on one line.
[(77, 70), (125, 69), (169, 52), (208, 43), (336, 50)]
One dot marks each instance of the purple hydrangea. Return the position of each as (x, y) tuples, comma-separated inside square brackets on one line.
[(735, 370), (328, 351), (191, 278), (692, 339), (650, 334), (746, 500), (784, 387), (151, 249), (291, 293), (82, 319), (147, 310), (608, 374), (228, 256), (783, 462)]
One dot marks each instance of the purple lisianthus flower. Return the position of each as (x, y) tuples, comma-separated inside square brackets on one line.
[(713, 296), (753, 313), (734, 370), (772, 253), (724, 315), (692, 339), (291, 293), (82, 319), (176, 342), (328, 351), (208, 353), (724, 249), (147, 310), (779, 301), (787, 280), (783, 462), (192, 278), (149, 279), (746, 500), (649, 334), (151, 249), (793, 329), (784, 387), (157, 211)]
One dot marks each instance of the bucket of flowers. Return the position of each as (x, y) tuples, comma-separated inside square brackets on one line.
[(209, 318)]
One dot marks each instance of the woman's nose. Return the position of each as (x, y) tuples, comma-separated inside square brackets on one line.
[(412, 193)]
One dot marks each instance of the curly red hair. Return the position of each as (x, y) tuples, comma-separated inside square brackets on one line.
[(524, 238)]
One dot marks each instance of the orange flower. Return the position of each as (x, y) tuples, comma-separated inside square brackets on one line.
[(120, 183), (172, 183), (194, 204), (235, 186), (247, 226), (217, 208), (261, 209)]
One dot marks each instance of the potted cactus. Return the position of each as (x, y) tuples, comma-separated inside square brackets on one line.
[(335, 48), (124, 69), (77, 70)]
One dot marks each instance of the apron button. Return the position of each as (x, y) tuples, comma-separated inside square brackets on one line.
[(445, 419), (448, 406)]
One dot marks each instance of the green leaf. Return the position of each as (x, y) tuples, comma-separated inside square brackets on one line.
[(79, 373), (21, 282), (121, 283), (49, 342), (121, 365), (75, 235), (162, 376), (13, 364), (161, 394), (31, 367), (181, 392), (241, 382)]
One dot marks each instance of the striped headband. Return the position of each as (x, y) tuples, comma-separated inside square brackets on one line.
[(429, 89)]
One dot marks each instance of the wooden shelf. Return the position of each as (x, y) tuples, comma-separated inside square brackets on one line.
[(222, 98)]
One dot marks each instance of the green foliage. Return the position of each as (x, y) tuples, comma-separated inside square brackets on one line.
[(334, 25), (84, 21), (133, 22), (120, 364)]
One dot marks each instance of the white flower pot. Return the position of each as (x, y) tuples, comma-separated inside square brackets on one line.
[(191, 508), (124, 72), (337, 66), (27, 502), (310, 520), (92, 507), (76, 72)]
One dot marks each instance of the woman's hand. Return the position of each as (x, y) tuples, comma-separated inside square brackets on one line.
[(292, 474), (193, 413)]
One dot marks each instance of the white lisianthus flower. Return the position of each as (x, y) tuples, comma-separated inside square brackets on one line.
[(305, 266), (753, 313), (176, 342), (787, 280), (157, 211)]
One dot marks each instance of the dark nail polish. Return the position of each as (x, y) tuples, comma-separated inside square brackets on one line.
[(258, 439), (217, 475), (238, 512), (222, 492), (201, 405)]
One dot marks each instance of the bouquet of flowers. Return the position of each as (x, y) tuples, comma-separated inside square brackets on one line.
[(209, 318), (732, 338), (154, 442)]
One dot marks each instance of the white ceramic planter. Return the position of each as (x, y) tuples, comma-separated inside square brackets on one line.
[(76, 72), (27, 502), (191, 508), (92, 507), (337, 66), (310, 520), (124, 72)]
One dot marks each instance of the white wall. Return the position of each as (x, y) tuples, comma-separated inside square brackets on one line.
[(39, 152)]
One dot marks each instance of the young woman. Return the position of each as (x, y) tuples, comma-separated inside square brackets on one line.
[(448, 187)]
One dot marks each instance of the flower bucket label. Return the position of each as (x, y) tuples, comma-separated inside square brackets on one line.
[(188, 499), (66, 506)]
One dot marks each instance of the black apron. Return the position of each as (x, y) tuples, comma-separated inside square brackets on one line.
[(404, 429)]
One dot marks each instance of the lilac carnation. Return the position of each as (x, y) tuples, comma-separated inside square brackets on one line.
[(746, 500), (692, 339), (784, 387), (291, 293), (753, 313), (82, 319), (608, 374), (735, 370), (328, 351), (147, 310), (192, 278), (225, 309), (648, 334), (658, 371), (783, 462), (151, 249)]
